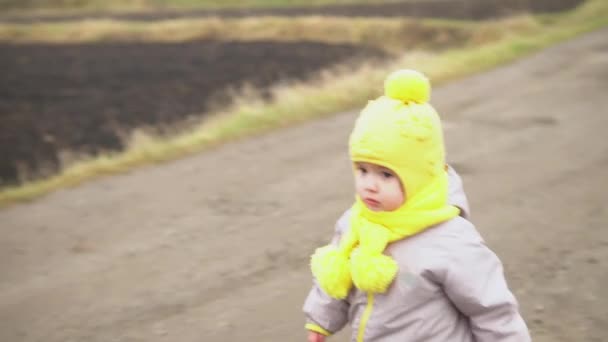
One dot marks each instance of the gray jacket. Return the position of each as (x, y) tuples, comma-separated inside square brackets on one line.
[(450, 288)]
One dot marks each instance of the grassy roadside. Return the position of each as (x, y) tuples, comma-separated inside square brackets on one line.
[(391, 35), (49, 6), (330, 93)]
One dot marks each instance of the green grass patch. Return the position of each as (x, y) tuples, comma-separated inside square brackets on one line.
[(332, 92)]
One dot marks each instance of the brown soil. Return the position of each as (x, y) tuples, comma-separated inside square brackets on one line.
[(453, 9), (215, 247), (86, 98)]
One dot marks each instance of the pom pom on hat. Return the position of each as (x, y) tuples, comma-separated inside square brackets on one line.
[(408, 86)]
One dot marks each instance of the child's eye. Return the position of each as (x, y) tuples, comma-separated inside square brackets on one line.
[(387, 174), (362, 169)]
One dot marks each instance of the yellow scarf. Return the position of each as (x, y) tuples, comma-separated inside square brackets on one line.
[(359, 258)]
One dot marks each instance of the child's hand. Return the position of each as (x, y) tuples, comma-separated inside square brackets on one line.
[(315, 337)]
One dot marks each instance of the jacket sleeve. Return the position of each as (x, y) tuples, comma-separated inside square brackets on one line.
[(475, 283), (324, 314)]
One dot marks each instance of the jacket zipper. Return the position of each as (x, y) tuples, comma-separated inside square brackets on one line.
[(365, 316)]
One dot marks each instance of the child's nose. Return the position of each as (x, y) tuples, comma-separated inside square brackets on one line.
[(371, 183)]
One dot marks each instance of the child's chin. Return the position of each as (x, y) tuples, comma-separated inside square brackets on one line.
[(374, 208)]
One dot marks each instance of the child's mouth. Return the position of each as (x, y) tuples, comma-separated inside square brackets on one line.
[(371, 202)]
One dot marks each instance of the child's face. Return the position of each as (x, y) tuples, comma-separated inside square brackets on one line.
[(378, 187)]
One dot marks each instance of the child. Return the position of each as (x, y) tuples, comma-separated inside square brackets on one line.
[(405, 263)]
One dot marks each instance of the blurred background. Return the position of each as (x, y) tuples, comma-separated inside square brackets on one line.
[(213, 244), (80, 77)]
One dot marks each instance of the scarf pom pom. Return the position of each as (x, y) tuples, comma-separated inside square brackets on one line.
[(330, 268), (371, 272)]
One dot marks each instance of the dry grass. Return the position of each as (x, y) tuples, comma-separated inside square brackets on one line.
[(392, 35), (330, 93), (53, 6)]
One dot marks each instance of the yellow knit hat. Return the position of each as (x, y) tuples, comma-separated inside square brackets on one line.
[(402, 132)]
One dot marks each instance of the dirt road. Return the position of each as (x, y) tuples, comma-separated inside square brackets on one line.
[(215, 247)]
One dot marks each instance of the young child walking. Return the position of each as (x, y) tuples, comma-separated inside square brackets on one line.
[(406, 264)]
